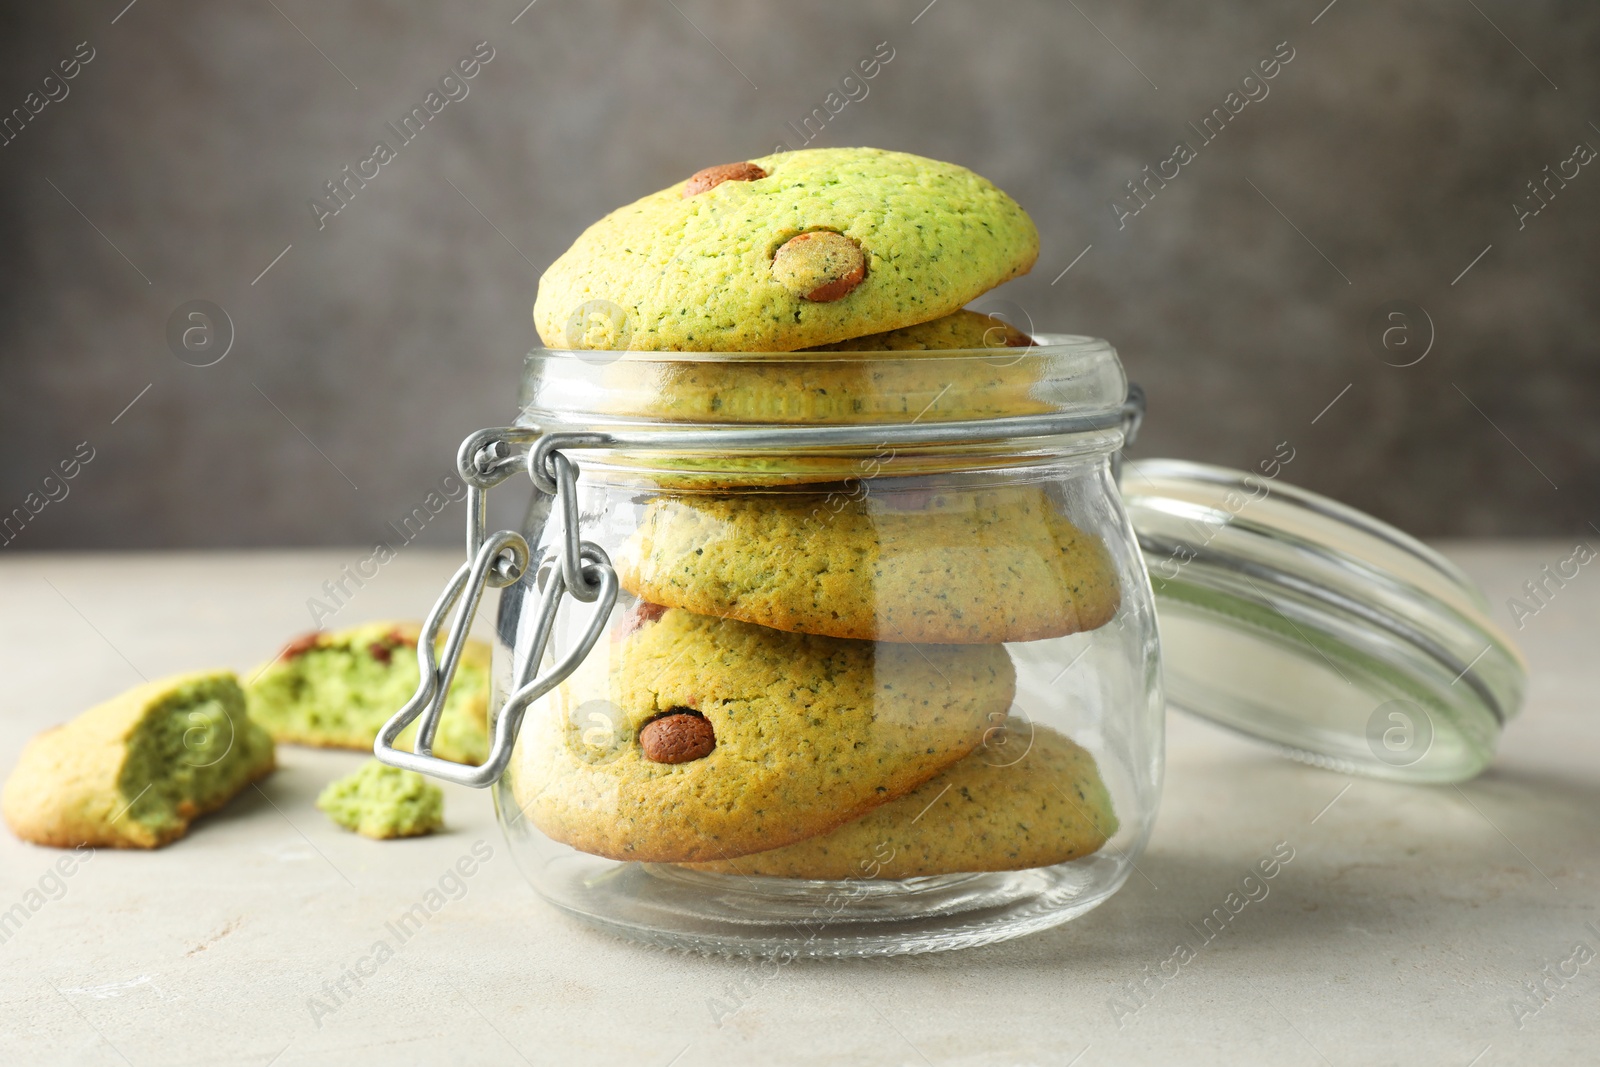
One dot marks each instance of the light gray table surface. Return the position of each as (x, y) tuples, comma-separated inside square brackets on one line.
[(1409, 925)]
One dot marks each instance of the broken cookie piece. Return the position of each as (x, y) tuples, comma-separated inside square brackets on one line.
[(135, 771), (383, 802), (336, 690)]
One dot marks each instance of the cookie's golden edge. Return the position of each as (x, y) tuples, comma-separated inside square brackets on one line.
[(990, 812), (993, 566)]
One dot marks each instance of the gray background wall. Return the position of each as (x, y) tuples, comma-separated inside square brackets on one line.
[(1386, 158)]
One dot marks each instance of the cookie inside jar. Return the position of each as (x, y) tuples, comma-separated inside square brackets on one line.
[(822, 682)]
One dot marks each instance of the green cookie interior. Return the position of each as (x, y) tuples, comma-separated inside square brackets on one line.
[(380, 801), (340, 691), (192, 749)]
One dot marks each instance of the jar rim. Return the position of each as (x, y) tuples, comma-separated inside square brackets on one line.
[(1061, 374)]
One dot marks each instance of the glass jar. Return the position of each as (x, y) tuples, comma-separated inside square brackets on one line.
[(833, 653), (869, 663)]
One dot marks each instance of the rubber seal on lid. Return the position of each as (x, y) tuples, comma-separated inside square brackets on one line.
[(1319, 629)]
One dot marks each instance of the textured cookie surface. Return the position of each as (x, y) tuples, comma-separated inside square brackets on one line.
[(957, 567), (337, 689), (135, 771), (810, 732), (1037, 800), (695, 273)]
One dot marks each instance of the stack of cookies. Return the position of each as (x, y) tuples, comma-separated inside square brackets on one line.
[(812, 680)]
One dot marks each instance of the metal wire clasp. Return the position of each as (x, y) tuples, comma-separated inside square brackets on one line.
[(584, 570)]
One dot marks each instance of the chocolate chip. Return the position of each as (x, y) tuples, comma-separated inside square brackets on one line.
[(705, 180), (820, 266), (300, 645), (677, 737), (382, 649), (639, 616)]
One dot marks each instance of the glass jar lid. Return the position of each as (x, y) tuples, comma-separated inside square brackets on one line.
[(1319, 629)]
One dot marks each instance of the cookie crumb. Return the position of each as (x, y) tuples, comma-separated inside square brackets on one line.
[(383, 802)]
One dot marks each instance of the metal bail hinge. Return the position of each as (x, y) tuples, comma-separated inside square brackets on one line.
[(584, 570)]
